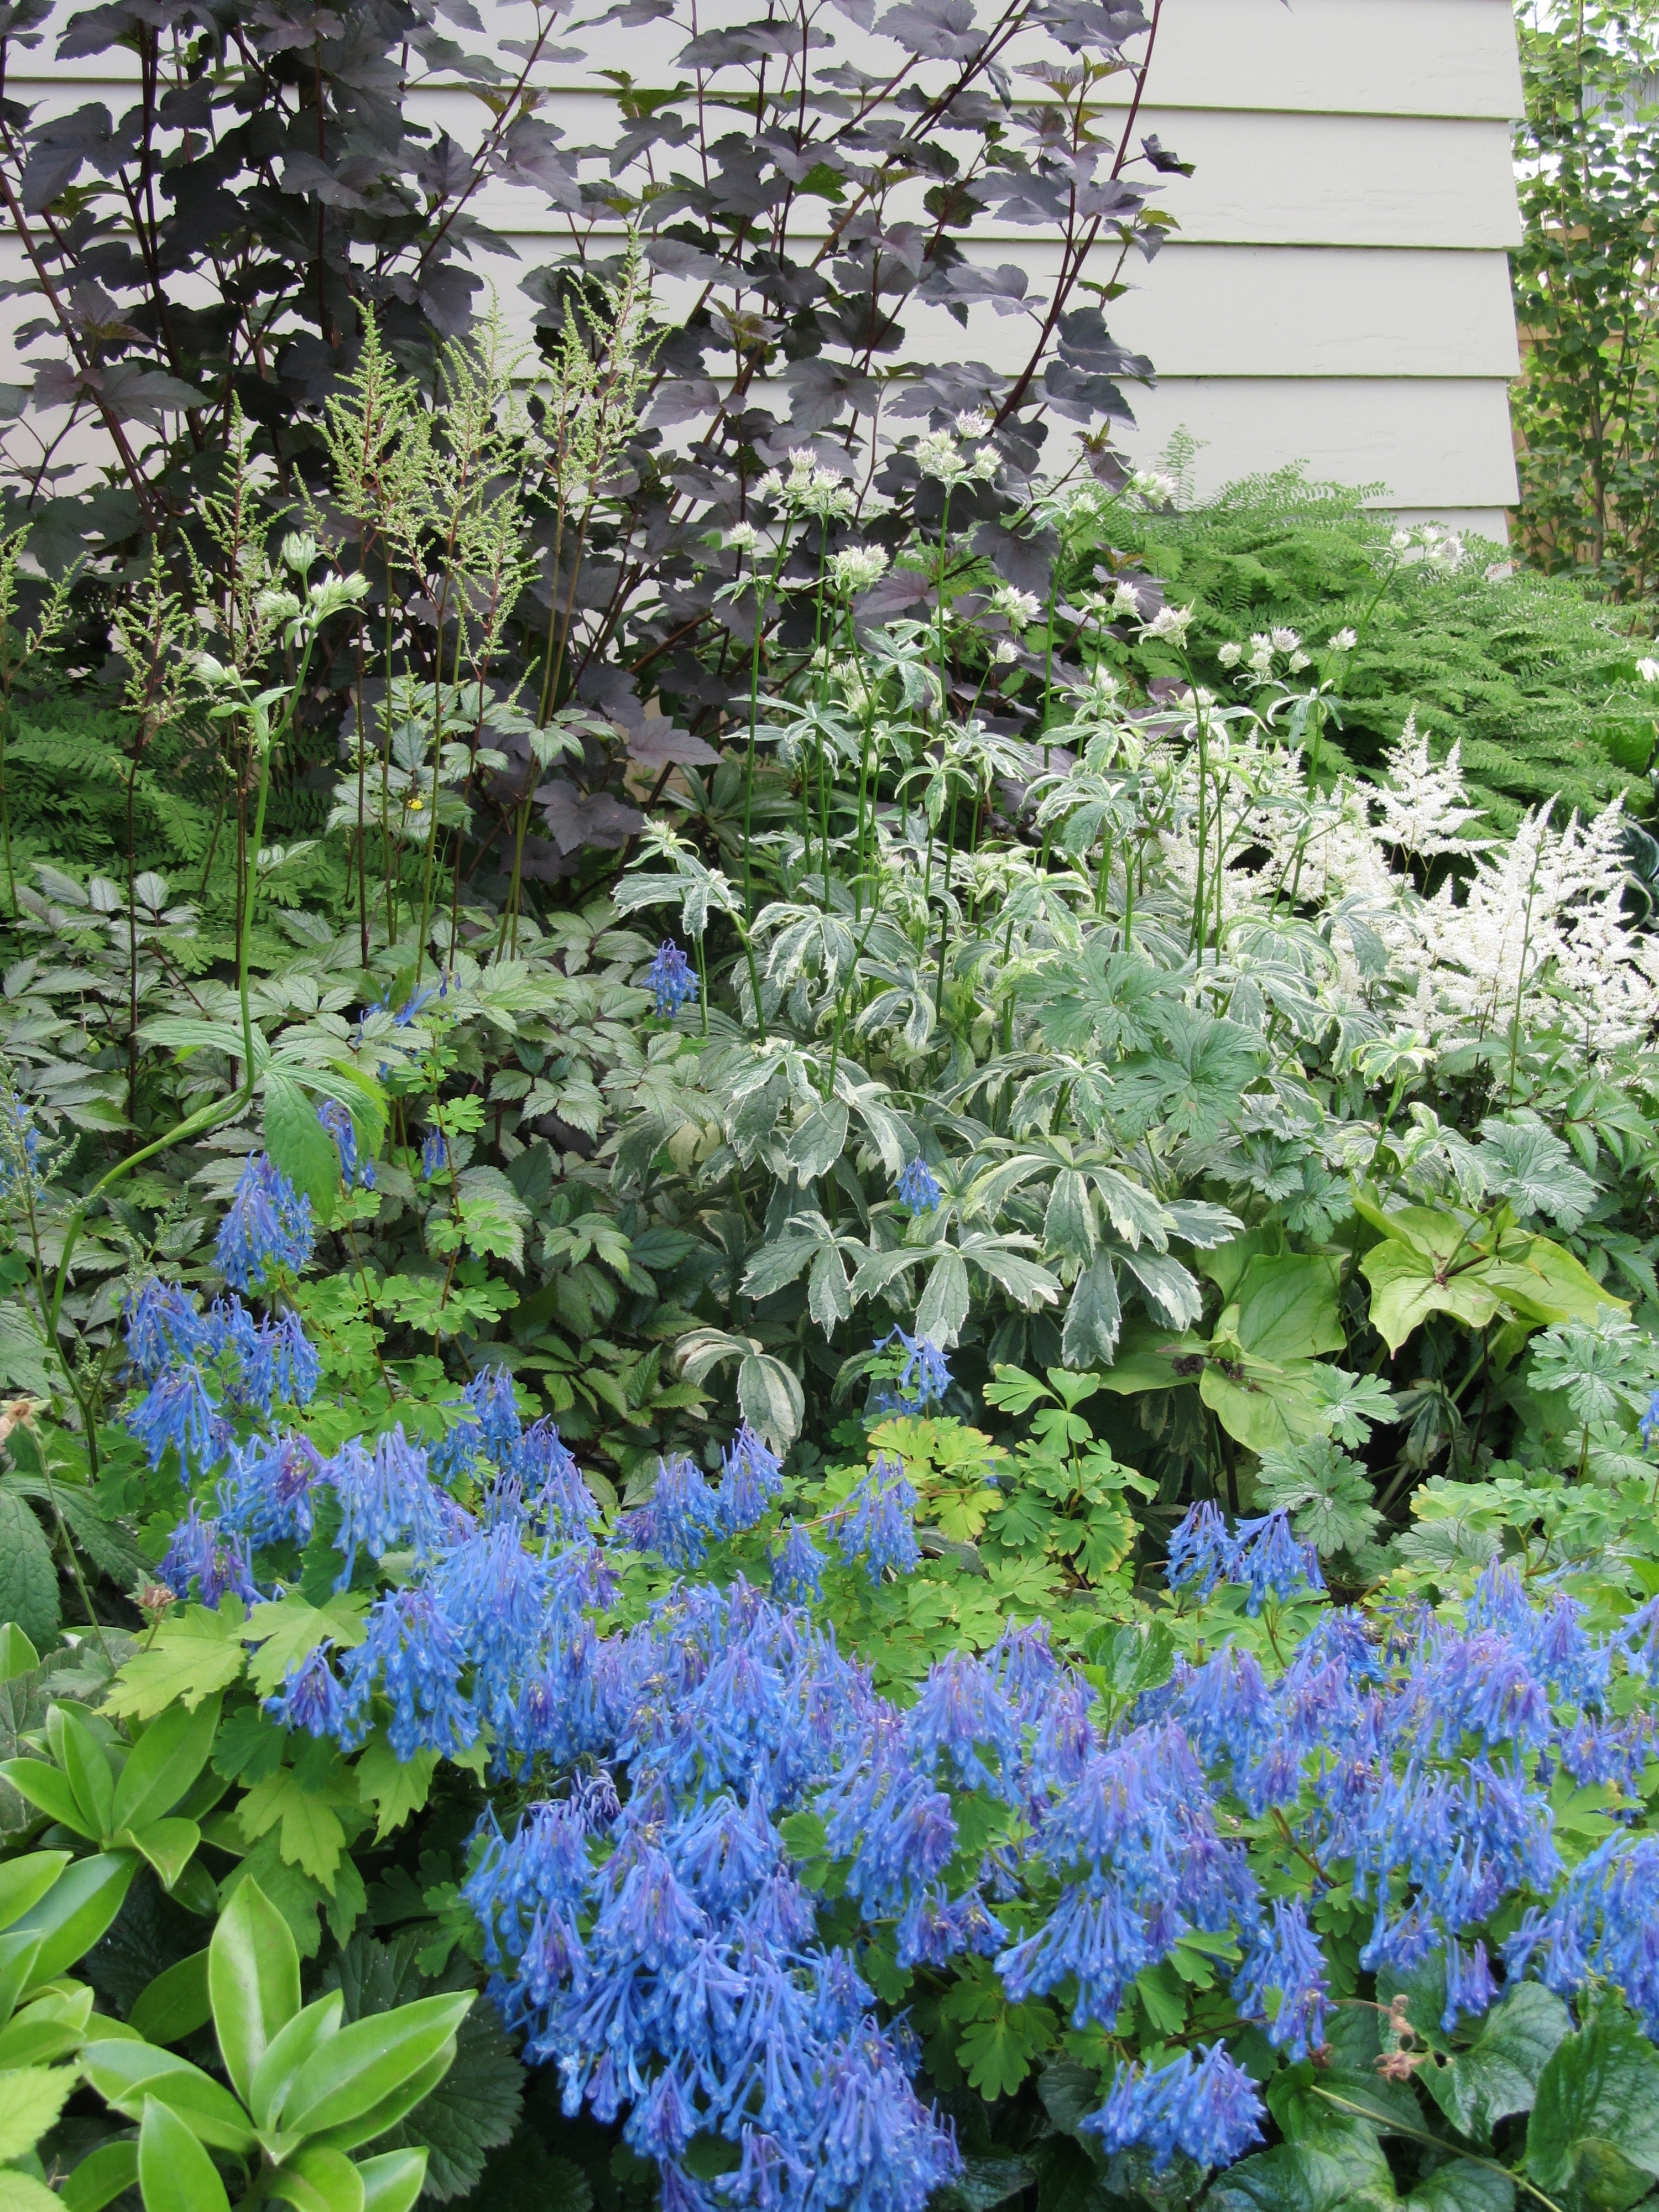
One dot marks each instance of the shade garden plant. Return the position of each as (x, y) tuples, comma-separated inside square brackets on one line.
[(827, 1391)]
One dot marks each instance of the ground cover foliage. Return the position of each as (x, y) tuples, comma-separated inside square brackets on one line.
[(829, 1393)]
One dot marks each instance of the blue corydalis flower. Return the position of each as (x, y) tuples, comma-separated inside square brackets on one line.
[(918, 1187), (922, 1381), (434, 1153), (162, 1327), (752, 1477), (798, 1570), (673, 978), (178, 1410), (1283, 1981), (355, 1171), (1205, 2105), (873, 1522), (206, 1561), (1650, 1420), (267, 1230), (1265, 1554)]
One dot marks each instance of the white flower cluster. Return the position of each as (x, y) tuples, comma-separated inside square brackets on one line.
[(939, 455), (857, 566), (1021, 608), (808, 489)]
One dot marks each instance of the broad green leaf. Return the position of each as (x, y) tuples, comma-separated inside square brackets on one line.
[(1266, 1409), (1407, 1288), (1093, 1315), (818, 1143), (24, 1881), (102, 2176), (53, 2026), (1069, 1224), (169, 1845), (176, 2004), (76, 1911), (1593, 2133), (298, 1145), (17, 1655), (392, 2181), (291, 1629), (1546, 1284), (317, 2179), (174, 2172), (28, 1578), (369, 2061), (293, 2043), (50, 1791), (1498, 2074), (254, 1976), (1462, 2186), (195, 1655), (18, 1953), (129, 2075), (1152, 1359), (1348, 2174), (164, 1762), (1287, 1306), (395, 2107), (31, 2097), (82, 1758)]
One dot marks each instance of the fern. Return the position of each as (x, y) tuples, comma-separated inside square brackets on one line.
[(1536, 679)]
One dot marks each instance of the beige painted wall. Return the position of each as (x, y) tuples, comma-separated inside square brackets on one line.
[(1338, 291)]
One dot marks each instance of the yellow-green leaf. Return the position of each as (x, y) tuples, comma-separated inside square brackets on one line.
[(194, 1654)]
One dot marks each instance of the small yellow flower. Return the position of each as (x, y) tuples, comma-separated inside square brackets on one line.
[(415, 804)]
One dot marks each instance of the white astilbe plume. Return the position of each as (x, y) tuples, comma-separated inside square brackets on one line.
[(1424, 811)]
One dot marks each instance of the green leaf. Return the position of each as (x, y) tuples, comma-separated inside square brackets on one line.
[(17, 1655), (102, 2176), (1287, 1306), (76, 1911), (311, 1836), (1093, 1315), (133, 2075), (996, 2054), (392, 2181), (21, 2192), (254, 1976), (1407, 1288), (1593, 2133), (169, 1845), (175, 2171), (31, 2097), (164, 1762), (196, 1654), (297, 2040), (24, 1881), (319, 2180), (82, 1758), (1498, 2074), (1348, 2174), (368, 2062), (50, 1791), (1463, 2187), (298, 1145), (28, 1578), (289, 1631), (1266, 1409), (176, 2004), (395, 1786)]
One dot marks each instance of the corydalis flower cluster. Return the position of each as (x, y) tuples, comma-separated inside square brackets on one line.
[(201, 1368)]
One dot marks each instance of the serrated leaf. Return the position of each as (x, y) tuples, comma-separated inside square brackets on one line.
[(396, 1788), (195, 1653), (28, 1578), (288, 1630), (310, 1835), (299, 1145), (31, 2097)]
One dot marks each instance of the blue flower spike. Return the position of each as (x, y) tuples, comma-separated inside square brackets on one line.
[(673, 978)]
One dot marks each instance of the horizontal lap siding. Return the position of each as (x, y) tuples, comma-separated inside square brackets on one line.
[(1337, 292)]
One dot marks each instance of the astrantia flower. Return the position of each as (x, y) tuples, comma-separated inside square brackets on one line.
[(918, 1187), (672, 977), (1171, 623), (1205, 2105), (268, 1228), (857, 566)]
